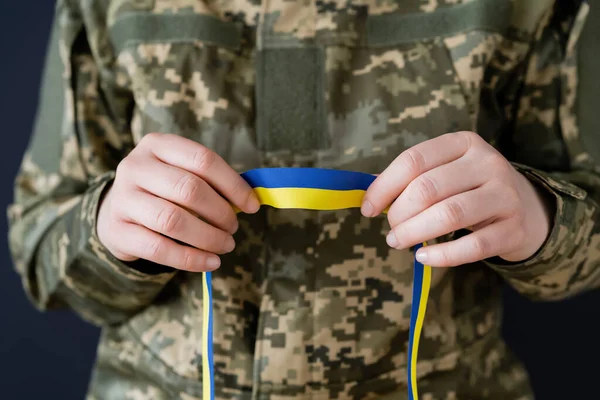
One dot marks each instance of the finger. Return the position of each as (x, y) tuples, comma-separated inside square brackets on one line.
[(494, 239), (199, 160), (173, 221), (184, 189), (434, 186), (141, 242), (458, 212), (410, 164)]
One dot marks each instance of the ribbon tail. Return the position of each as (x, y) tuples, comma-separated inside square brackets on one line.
[(421, 285), (208, 390)]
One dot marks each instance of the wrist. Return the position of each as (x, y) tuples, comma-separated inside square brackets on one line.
[(539, 207)]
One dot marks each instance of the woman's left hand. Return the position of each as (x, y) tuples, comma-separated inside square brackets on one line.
[(459, 181)]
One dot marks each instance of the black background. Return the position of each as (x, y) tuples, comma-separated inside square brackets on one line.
[(50, 355)]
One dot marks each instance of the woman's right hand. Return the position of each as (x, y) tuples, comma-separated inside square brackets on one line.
[(170, 204)]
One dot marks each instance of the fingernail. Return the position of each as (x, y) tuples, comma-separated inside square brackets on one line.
[(253, 204), (236, 226), (367, 208), (229, 244), (213, 263), (391, 239), (421, 256)]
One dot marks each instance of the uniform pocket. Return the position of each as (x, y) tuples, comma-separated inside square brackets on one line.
[(384, 100), (190, 74), (415, 76), (469, 33)]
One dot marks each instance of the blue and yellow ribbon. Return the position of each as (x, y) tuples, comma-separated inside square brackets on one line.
[(421, 284), (316, 189)]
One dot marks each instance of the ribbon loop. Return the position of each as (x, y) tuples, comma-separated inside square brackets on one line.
[(316, 189)]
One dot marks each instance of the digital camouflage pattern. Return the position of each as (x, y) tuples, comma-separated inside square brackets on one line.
[(310, 304)]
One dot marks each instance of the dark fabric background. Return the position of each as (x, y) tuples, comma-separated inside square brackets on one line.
[(50, 355)]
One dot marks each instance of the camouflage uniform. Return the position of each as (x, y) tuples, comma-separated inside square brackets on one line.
[(310, 304)]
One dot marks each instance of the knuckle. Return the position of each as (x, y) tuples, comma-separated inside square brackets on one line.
[(203, 159), (225, 218), (469, 135), (403, 235), (115, 212), (497, 163), (413, 161), (444, 258), (452, 214), (218, 242), (126, 165), (187, 189), (391, 217), (153, 249), (151, 137), (426, 190), (469, 138), (169, 219), (239, 191), (188, 262), (480, 247)]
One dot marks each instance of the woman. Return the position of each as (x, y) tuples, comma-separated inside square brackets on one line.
[(463, 109)]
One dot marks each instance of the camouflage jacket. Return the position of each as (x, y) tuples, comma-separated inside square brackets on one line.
[(310, 304)]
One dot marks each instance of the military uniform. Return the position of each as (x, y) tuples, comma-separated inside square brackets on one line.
[(310, 304)]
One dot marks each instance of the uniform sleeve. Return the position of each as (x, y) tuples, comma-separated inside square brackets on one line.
[(550, 146), (81, 134)]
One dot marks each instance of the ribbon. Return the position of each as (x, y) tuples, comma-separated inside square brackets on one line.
[(316, 189)]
